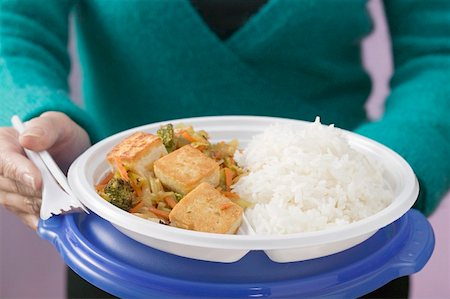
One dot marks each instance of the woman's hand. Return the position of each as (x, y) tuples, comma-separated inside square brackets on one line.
[(20, 180)]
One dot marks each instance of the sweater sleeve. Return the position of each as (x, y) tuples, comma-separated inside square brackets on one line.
[(416, 122), (34, 61)]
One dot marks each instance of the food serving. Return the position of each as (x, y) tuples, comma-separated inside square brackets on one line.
[(176, 177), (308, 180), (290, 181)]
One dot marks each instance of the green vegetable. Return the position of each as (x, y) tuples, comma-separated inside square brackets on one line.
[(120, 193), (178, 196), (167, 136)]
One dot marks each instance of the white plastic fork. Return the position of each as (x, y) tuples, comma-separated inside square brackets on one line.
[(57, 197)]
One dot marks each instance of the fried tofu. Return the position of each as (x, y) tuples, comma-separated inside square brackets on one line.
[(184, 169), (205, 209), (137, 153)]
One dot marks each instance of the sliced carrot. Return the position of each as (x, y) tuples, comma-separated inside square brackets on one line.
[(226, 205), (100, 187), (159, 213), (137, 190), (170, 201), (187, 136), (231, 195), (121, 169), (137, 207), (106, 179), (228, 178)]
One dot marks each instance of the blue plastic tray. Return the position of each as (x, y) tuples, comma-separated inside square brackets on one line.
[(102, 255)]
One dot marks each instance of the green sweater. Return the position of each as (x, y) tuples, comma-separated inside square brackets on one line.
[(146, 61)]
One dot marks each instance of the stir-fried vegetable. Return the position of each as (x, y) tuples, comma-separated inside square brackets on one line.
[(120, 193), (121, 168), (146, 197), (167, 136)]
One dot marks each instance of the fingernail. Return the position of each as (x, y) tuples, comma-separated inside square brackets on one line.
[(29, 180), (33, 132)]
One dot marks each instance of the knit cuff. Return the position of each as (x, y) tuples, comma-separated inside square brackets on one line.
[(425, 148), (32, 101)]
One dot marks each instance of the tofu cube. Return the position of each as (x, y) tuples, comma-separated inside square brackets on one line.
[(205, 209), (184, 169), (137, 153)]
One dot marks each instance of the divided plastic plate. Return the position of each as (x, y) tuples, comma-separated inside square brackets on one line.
[(87, 170)]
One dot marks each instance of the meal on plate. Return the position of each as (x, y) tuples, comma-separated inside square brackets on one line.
[(176, 177), (287, 179)]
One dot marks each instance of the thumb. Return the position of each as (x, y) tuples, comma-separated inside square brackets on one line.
[(57, 133), (43, 132)]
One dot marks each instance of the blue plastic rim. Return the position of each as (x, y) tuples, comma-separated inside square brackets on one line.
[(108, 259)]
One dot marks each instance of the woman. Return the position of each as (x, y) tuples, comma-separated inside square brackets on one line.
[(147, 61)]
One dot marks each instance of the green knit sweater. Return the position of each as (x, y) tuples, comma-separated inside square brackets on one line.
[(146, 61)]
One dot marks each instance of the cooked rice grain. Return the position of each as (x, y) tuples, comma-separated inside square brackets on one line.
[(309, 179)]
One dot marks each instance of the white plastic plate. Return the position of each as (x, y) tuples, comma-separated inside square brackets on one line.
[(87, 170)]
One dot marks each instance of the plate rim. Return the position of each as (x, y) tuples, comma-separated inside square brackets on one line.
[(244, 242)]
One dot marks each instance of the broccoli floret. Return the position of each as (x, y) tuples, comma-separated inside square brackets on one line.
[(120, 193), (167, 136)]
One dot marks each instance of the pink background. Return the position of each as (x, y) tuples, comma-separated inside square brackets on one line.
[(31, 267)]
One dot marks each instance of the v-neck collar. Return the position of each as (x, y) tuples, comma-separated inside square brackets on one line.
[(258, 23), (231, 56)]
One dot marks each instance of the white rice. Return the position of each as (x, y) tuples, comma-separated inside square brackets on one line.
[(309, 179)]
